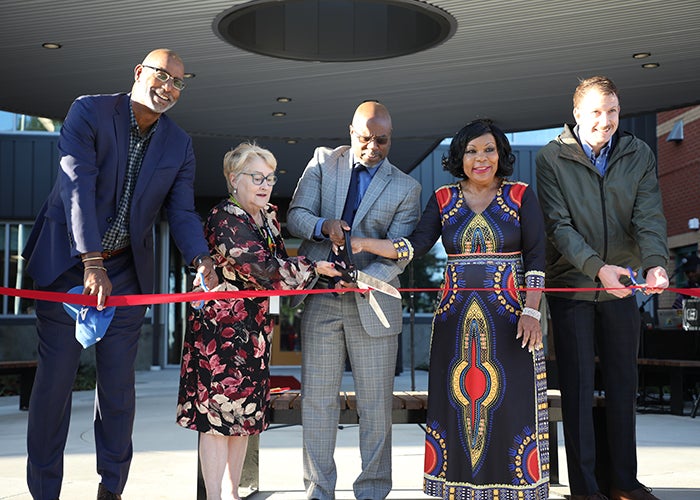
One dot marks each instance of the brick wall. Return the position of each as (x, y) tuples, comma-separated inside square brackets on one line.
[(679, 169)]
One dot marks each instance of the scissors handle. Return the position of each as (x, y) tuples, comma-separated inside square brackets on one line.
[(344, 261), (633, 280), (200, 303)]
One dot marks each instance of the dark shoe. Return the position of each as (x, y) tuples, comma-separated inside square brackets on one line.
[(641, 493), (104, 494)]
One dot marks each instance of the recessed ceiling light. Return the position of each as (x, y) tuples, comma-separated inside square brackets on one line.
[(189, 75), (284, 99), (51, 45), (650, 65), (291, 141), (279, 114), (641, 55)]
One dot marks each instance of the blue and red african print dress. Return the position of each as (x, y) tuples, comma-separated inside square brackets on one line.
[(487, 428)]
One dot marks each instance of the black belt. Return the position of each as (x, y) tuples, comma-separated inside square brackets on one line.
[(113, 253)]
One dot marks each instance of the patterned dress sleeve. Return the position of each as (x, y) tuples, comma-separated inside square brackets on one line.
[(254, 256), (424, 236)]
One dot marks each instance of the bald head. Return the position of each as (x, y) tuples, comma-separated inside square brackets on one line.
[(370, 133), (159, 55), (371, 111)]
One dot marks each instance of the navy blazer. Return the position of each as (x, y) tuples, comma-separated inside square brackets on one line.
[(94, 146)]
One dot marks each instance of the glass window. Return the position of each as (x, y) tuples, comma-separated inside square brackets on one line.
[(686, 266), (13, 237)]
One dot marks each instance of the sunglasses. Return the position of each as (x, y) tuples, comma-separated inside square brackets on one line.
[(163, 76), (366, 139)]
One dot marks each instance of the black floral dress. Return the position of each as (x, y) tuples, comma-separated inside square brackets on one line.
[(224, 377), (487, 425)]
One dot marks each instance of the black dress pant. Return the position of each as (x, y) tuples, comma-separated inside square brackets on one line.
[(611, 330), (59, 357)]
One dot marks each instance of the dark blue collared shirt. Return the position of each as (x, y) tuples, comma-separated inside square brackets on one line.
[(365, 177), (601, 161)]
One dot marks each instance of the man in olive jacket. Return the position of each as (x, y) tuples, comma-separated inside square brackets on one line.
[(601, 200)]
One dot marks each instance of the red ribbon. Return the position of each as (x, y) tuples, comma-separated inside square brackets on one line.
[(165, 298)]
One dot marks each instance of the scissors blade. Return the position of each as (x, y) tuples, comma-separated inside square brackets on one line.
[(351, 274), (377, 309), (364, 280)]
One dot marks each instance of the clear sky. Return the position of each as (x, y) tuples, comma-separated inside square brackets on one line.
[(529, 138), (533, 137), (7, 121)]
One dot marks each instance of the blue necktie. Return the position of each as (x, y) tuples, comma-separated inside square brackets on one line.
[(352, 201)]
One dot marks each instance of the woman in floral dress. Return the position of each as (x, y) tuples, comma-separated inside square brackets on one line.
[(224, 378), (487, 428)]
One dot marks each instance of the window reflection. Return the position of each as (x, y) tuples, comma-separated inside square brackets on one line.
[(13, 237), (290, 325)]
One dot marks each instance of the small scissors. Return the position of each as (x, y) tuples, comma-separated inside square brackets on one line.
[(199, 304), (634, 282)]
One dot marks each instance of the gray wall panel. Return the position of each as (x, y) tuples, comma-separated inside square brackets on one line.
[(28, 169)]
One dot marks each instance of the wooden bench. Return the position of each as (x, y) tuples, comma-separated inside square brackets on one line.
[(409, 407), (677, 370), (26, 371)]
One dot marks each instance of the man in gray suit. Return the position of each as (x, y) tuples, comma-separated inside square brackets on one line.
[(385, 205)]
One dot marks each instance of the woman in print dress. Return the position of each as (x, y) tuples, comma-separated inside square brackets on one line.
[(487, 425), (224, 378)]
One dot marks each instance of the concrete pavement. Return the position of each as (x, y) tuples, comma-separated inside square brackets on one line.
[(165, 458)]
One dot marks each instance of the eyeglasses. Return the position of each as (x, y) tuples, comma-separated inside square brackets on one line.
[(366, 139), (259, 178), (164, 76)]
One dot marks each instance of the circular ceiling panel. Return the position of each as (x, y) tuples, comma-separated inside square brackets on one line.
[(334, 30)]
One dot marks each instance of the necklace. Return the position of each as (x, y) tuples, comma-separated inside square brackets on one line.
[(263, 230)]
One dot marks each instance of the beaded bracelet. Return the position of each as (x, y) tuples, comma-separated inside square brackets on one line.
[(534, 279), (86, 259), (533, 313), (404, 250), (101, 268)]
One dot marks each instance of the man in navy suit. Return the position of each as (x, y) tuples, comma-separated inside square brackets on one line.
[(122, 161)]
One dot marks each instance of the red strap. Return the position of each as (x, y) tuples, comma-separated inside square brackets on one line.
[(164, 298)]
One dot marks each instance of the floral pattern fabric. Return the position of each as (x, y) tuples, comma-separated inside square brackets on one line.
[(224, 376)]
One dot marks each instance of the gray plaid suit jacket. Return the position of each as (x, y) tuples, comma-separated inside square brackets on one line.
[(389, 209)]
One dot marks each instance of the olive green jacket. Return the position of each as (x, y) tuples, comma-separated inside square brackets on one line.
[(593, 219)]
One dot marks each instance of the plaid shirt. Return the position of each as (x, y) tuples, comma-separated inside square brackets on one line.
[(117, 236)]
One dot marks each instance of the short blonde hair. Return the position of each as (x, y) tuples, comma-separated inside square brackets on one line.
[(236, 160)]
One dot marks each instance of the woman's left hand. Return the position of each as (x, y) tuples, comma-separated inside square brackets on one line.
[(530, 331)]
